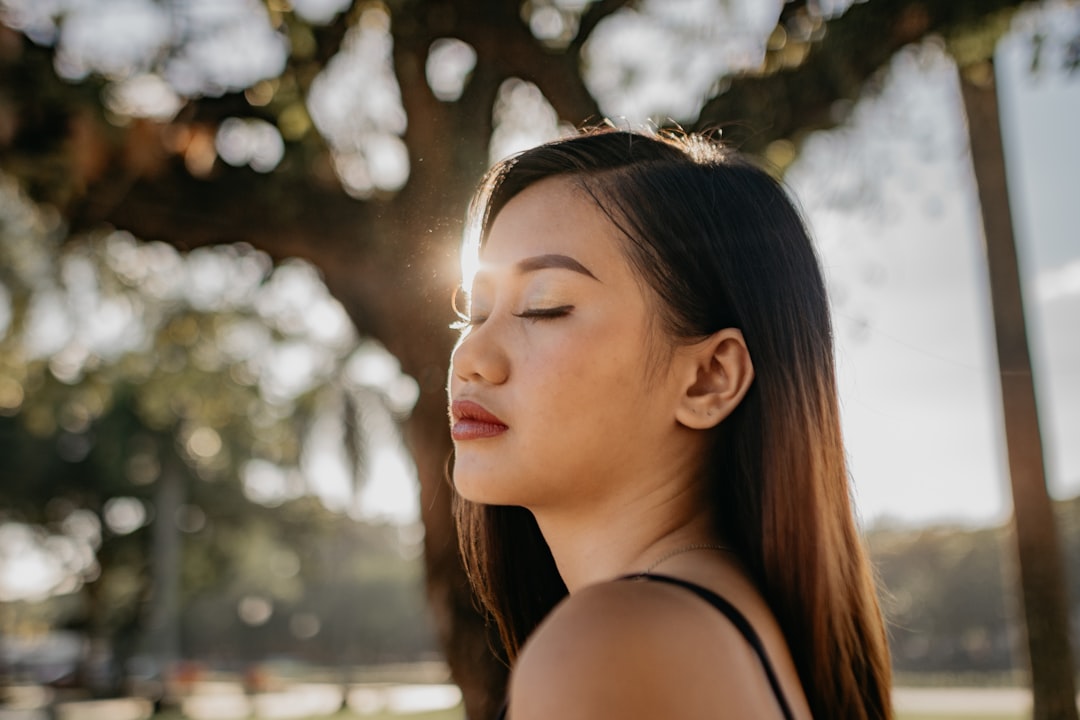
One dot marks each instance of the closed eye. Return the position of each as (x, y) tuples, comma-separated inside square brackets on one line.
[(465, 322), (545, 313)]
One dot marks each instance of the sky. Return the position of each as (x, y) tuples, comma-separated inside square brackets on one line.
[(891, 201), (918, 377), (889, 197)]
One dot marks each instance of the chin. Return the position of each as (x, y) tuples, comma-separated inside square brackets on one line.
[(485, 485), (478, 488)]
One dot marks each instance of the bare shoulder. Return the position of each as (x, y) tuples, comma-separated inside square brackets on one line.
[(638, 650)]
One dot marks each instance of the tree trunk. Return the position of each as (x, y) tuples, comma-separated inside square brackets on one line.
[(1042, 578), (463, 634), (163, 623), (389, 260)]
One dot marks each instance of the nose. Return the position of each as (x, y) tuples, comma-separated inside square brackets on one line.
[(479, 356)]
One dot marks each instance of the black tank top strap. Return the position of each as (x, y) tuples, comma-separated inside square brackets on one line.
[(734, 616), (738, 620)]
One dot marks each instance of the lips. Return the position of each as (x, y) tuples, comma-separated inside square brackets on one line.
[(472, 421)]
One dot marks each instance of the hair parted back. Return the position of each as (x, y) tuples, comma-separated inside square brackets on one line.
[(721, 245)]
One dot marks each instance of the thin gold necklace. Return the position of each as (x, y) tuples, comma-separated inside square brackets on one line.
[(684, 549)]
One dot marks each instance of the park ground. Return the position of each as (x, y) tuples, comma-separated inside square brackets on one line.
[(437, 701)]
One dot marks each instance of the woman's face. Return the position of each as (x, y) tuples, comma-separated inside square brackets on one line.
[(554, 397)]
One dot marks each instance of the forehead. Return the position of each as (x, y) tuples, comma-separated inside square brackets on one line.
[(553, 216)]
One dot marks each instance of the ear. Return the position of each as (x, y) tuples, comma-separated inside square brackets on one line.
[(717, 374)]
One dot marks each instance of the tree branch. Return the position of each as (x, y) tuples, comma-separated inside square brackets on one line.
[(556, 72), (557, 75), (328, 38), (792, 102), (590, 19)]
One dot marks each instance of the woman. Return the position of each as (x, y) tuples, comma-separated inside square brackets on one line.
[(654, 504)]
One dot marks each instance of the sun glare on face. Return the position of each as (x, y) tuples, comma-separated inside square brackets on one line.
[(470, 256)]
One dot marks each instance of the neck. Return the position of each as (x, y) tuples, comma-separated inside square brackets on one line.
[(599, 544)]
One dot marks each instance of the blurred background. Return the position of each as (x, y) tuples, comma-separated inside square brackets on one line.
[(229, 238)]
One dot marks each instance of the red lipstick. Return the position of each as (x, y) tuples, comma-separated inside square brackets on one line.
[(473, 422)]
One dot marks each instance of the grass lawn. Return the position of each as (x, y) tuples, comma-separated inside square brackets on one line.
[(913, 704), (921, 716), (458, 714), (451, 714)]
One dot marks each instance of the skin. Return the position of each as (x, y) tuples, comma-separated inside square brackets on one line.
[(605, 446)]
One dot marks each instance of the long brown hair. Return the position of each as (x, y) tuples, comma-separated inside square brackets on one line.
[(721, 245)]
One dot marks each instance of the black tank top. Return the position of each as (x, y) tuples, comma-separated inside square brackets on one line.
[(735, 617)]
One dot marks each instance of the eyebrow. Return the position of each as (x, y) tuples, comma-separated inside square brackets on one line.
[(546, 262)]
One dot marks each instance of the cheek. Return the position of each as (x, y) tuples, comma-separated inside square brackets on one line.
[(589, 394), (573, 376)]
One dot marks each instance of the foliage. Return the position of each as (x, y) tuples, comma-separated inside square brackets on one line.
[(125, 363), (351, 133), (339, 593), (109, 339), (949, 598)]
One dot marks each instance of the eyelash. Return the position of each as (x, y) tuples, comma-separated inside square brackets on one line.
[(545, 313), (533, 314)]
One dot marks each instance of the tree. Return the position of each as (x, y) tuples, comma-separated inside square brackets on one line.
[(165, 406), (1042, 570), (950, 591), (390, 256)]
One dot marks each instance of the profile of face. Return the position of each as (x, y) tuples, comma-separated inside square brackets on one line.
[(563, 387)]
